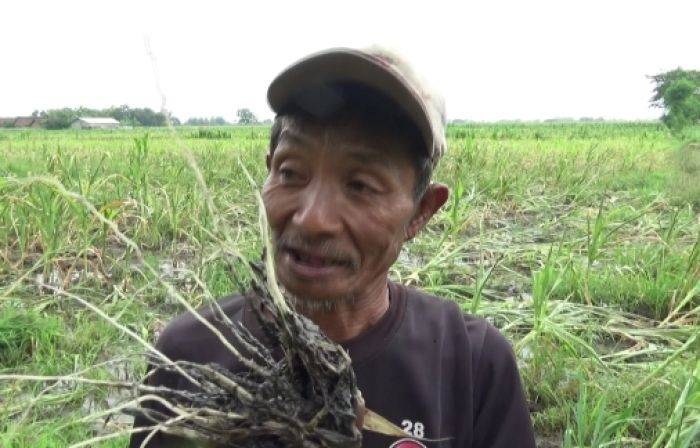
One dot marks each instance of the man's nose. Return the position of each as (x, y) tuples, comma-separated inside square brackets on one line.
[(318, 213)]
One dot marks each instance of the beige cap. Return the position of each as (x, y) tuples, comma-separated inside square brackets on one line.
[(374, 67)]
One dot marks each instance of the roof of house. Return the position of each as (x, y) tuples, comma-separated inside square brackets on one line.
[(25, 121), (98, 120)]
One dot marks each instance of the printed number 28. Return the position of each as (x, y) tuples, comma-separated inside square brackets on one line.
[(413, 429)]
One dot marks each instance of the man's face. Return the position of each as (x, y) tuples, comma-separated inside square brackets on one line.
[(339, 201)]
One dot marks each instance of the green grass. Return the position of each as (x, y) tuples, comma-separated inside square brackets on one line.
[(581, 242)]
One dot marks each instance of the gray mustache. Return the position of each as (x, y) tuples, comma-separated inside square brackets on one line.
[(325, 249)]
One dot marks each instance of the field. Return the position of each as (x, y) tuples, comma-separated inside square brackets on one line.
[(581, 242)]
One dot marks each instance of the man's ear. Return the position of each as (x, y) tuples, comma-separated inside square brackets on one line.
[(268, 161), (435, 196)]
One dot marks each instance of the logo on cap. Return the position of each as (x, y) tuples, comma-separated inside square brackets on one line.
[(407, 443)]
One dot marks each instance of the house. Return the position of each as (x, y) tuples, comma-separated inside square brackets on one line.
[(27, 122), (20, 122), (95, 123)]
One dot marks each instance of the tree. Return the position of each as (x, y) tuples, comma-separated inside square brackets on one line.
[(58, 118), (245, 116), (678, 92), (218, 121), (148, 117)]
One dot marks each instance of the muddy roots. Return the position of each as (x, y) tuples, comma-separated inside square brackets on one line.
[(306, 399)]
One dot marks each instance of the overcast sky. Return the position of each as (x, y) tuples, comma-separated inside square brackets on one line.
[(491, 59)]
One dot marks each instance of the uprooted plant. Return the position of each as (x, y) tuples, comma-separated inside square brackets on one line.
[(308, 398)]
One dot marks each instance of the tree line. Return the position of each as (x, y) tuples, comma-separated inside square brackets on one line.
[(134, 116), (245, 117), (129, 116), (676, 91)]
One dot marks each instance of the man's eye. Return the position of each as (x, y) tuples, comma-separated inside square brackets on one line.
[(359, 186), (287, 174)]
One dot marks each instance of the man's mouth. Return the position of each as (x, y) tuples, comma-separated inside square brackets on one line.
[(315, 260)]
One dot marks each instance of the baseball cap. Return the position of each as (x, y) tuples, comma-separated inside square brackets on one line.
[(308, 83)]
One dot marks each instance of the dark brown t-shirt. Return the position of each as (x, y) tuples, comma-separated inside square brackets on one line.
[(427, 367)]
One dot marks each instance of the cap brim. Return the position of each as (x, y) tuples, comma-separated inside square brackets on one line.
[(348, 65)]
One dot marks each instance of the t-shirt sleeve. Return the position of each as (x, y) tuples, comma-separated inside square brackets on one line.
[(501, 416)]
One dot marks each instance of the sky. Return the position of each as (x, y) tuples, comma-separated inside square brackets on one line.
[(491, 59)]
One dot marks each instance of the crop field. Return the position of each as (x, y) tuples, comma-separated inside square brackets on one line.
[(580, 241)]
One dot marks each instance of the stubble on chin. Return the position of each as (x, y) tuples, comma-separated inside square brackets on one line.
[(312, 305)]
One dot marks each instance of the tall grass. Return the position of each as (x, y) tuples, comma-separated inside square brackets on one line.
[(573, 239)]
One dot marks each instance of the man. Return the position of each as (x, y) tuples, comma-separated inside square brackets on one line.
[(352, 150)]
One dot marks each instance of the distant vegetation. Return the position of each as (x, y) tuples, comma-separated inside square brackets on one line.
[(138, 116), (678, 92), (213, 121), (210, 133), (54, 119), (245, 116)]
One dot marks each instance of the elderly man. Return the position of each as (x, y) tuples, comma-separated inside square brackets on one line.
[(352, 150)]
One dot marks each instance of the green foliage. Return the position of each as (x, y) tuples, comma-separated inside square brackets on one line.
[(678, 91), (687, 176), (211, 134), (664, 80), (683, 427), (542, 218), (246, 116), (56, 434), (24, 334), (63, 118), (59, 118), (594, 425), (213, 121)]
